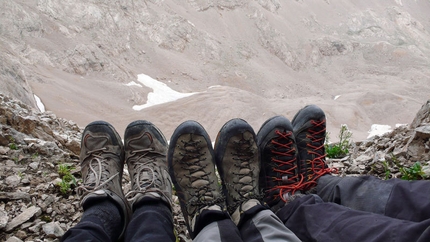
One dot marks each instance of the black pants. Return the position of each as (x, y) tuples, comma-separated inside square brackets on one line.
[(361, 209), (152, 222)]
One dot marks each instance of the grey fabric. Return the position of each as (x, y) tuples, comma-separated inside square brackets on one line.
[(312, 219), (209, 233), (222, 230), (263, 226), (361, 209), (366, 193), (407, 200), (269, 228)]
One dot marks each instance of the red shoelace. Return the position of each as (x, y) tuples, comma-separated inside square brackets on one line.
[(287, 177), (316, 168)]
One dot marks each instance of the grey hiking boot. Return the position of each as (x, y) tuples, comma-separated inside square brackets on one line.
[(237, 159), (102, 167), (279, 156), (145, 154), (309, 126), (192, 168)]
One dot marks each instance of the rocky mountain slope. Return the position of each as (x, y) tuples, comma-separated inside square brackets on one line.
[(363, 62), (35, 146)]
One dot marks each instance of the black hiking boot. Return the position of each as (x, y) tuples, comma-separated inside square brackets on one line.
[(192, 168), (279, 156), (237, 159), (309, 126)]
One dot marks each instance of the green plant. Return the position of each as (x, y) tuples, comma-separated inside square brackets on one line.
[(67, 178), (387, 171), (13, 146), (341, 148), (412, 173), (20, 174), (64, 187), (64, 170), (46, 218), (34, 156)]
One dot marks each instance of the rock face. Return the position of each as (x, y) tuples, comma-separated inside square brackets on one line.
[(34, 145), (385, 156), (273, 56)]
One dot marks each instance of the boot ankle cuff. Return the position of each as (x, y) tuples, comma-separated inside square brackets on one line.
[(246, 210), (205, 216)]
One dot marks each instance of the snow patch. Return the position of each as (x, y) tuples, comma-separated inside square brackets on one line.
[(39, 104), (133, 83), (378, 129), (215, 86), (160, 94)]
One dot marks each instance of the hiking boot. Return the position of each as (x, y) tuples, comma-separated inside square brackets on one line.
[(192, 168), (237, 159), (309, 126), (102, 162), (279, 171), (145, 154)]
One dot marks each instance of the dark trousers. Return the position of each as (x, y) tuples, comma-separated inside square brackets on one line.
[(150, 222), (153, 222), (361, 209)]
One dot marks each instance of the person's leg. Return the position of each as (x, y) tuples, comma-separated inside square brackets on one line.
[(312, 219), (408, 200), (151, 221), (238, 163), (266, 226), (151, 187), (100, 222), (216, 227), (192, 168), (106, 210)]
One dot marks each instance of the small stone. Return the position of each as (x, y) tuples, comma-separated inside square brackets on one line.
[(36, 227), (53, 230), (14, 196), (4, 150), (10, 163), (3, 218), (21, 234), (34, 165), (363, 159), (26, 215), (13, 239), (26, 225), (338, 165), (13, 180), (354, 169), (25, 181)]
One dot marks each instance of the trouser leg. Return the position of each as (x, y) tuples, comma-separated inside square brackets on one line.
[(407, 200), (151, 221), (266, 226), (223, 230), (311, 219), (100, 222)]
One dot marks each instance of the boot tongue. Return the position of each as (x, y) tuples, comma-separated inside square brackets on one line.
[(93, 142), (141, 142)]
